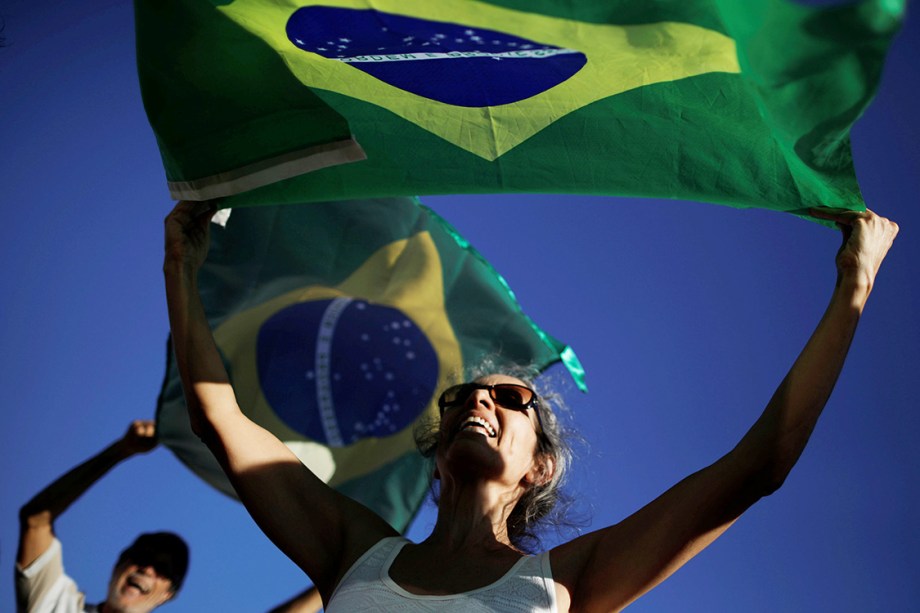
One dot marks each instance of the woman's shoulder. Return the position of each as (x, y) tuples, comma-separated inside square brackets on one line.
[(569, 560)]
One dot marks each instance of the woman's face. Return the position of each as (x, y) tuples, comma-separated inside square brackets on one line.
[(480, 438)]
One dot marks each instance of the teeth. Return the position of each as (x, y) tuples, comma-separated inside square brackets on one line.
[(473, 421)]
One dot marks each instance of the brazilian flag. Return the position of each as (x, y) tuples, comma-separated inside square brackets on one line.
[(339, 323), (746, 103)]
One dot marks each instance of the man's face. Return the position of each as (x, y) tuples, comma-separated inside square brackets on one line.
[(137, 589)]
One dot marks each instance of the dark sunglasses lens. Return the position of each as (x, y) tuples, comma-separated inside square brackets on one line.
[(454, 396), (161, 562), (512, 396)]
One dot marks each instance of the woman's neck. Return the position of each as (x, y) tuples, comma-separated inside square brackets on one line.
[(474, 515)]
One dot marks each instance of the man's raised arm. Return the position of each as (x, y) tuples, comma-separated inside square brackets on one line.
[(36, 517)]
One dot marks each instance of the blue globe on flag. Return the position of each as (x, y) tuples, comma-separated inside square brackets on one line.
[(341, 370), (447, 62)]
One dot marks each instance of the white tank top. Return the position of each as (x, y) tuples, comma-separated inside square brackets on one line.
[(526, 588)]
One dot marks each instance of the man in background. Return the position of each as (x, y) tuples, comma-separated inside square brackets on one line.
[(146, 574)]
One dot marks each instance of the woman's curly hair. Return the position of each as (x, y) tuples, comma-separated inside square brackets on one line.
[(541, 504)]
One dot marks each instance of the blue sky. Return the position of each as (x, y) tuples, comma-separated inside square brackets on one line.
[(685, 315)]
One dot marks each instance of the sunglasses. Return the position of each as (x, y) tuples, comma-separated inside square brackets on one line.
[(161, 562), (508, 395)]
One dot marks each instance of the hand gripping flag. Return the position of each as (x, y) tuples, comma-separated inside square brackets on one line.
[(742, 103), (339, 323)]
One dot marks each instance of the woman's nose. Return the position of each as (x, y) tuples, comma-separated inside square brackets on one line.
[(481, 397)]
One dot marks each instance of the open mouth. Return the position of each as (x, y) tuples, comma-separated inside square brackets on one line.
[(477, 424), (140, 586)]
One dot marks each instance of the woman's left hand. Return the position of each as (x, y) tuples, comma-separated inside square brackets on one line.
[(867, 237)]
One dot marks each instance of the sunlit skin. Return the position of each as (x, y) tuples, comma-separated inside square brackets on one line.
[(467, 451), (136, 589), (482, 476)]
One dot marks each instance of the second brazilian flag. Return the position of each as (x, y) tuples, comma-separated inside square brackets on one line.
[(339, 323)]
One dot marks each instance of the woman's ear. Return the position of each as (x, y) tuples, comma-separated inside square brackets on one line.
[(542, 471)]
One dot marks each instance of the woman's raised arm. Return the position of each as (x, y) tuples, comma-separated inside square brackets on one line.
[(608, 569), (321, 530)]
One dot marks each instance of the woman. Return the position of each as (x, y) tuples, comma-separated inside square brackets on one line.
[(491, 454)]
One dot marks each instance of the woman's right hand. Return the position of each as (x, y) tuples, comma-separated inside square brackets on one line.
[(187, 233)]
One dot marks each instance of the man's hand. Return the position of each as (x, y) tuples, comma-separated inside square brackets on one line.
[(187, 232), (141, 437)]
